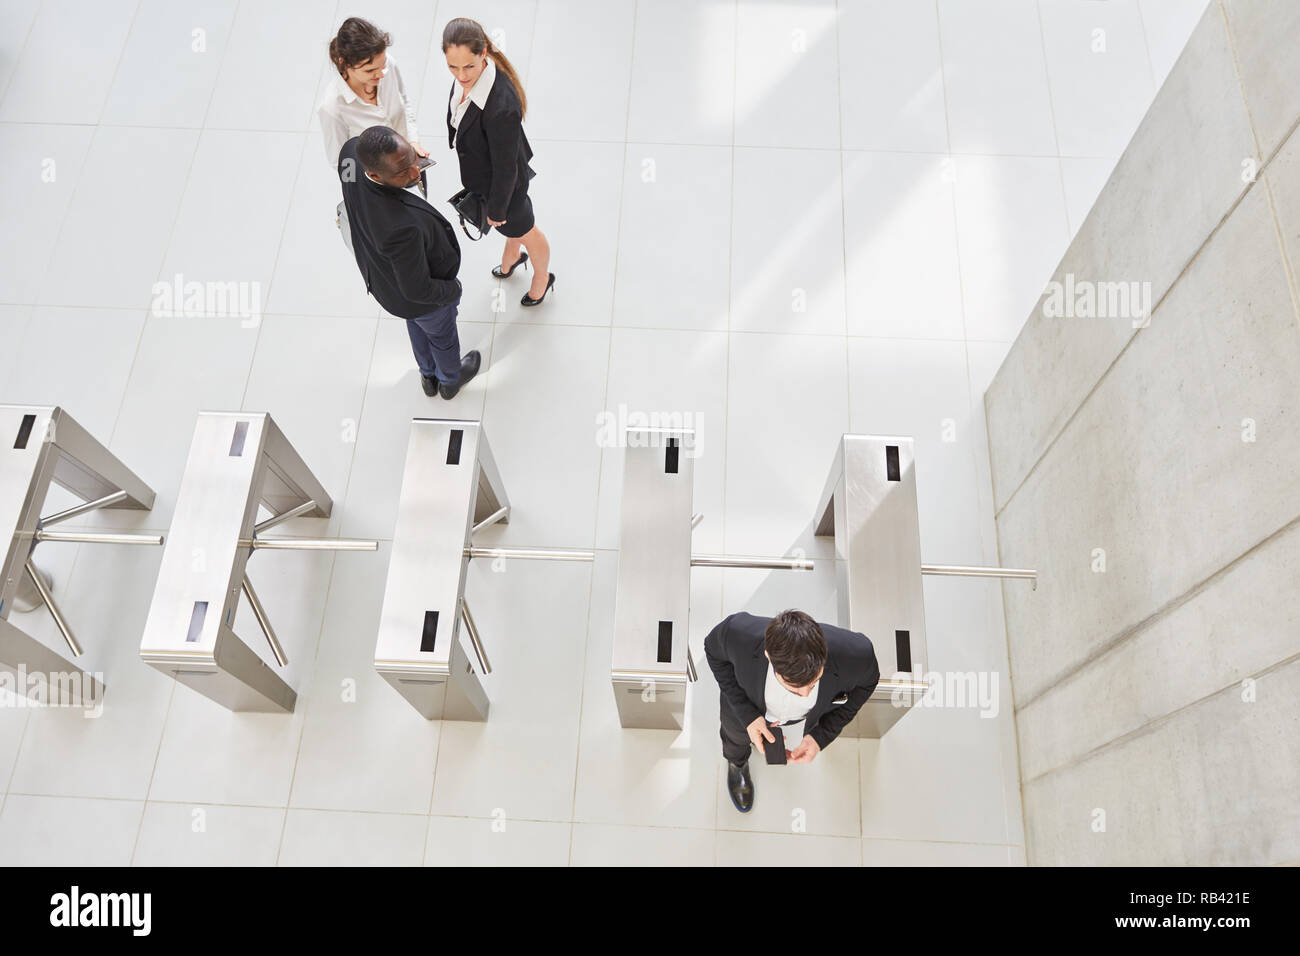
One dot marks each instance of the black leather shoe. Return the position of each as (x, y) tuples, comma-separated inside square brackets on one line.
[(741, 786), (468, 369), (430, 384), (528, 301), (496, 270)]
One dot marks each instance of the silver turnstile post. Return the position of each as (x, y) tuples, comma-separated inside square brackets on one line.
[(449, 484), (869, 506), (651, 663), (237, 461), (451, 489), (40, 444)]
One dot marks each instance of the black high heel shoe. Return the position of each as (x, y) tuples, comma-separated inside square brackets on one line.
[(527, 301), (496, 270)]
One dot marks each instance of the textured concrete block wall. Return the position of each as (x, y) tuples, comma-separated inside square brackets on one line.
[(1152, 474)]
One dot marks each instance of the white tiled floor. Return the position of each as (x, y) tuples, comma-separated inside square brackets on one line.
[(788, 220)]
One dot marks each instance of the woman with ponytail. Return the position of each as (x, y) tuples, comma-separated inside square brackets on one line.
[(485, 126)]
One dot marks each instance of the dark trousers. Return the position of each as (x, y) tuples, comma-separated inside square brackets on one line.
[(736, 744), (436, 343)]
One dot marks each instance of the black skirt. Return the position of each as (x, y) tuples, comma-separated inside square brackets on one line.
[(519, 215)]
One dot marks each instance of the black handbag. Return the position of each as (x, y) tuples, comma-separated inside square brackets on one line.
[(472, 209)]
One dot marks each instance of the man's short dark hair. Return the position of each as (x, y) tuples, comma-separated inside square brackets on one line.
[(796, 647), (375, 146)]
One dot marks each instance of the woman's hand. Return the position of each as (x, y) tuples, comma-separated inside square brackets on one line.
[(493, 222), (420, 150)]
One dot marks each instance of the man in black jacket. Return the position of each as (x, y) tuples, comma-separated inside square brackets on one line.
[(788, 671), (407, 252)]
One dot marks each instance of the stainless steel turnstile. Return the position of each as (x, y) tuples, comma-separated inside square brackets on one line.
[(651, 662), (869, 505), (450, 489), (237, 461), (40, 444)]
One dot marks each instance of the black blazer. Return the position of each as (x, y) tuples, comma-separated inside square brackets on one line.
[(492, 147), (734, 650), (405, 249)]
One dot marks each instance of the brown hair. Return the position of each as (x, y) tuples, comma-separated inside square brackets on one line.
[(466, 32), (796, 647), (358, 42)]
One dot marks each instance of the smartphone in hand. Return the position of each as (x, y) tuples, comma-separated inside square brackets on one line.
[(775, 750)]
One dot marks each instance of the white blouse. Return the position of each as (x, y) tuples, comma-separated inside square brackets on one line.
[(478, 95), (343, 114)]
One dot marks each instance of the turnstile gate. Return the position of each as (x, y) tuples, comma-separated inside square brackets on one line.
[(450, 489), (869, 506), (651, 663), (449, 482), (40, 445), (237, 461)]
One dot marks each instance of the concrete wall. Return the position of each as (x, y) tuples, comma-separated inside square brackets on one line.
[(1131, 684)]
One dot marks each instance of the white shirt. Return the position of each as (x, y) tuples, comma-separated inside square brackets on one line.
[(782, 705), (343, 114), (478, 95)]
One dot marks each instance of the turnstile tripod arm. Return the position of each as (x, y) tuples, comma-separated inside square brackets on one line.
[(770, 564), (477, 641)]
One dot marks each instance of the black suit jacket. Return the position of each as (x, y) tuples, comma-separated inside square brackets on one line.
[(406, 250), (492, 147), (734, 650)]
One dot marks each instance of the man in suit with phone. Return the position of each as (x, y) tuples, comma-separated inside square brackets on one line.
[(785, 677), (407, 252)]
